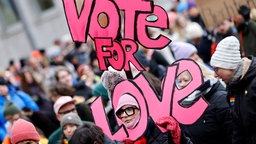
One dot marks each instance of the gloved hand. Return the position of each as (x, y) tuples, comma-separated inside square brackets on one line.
[(170, 124)]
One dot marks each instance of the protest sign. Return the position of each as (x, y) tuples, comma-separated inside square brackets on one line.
[(101, 21), (214, 12)]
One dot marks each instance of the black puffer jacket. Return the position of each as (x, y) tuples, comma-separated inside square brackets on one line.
[(215, 124), (244, 92)]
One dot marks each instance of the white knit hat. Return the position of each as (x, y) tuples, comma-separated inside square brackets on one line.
[(193, 30), (227, 54)]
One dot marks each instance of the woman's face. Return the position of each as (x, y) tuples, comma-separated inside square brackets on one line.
[(69, 130), (183, 79), (65, 77), (127, 114), (196, 57), (224, 74)]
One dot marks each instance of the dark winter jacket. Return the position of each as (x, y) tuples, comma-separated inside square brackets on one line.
[(215, 124), (247, 40), (155, 136), (244, 92), (107, 140), (83, 90)]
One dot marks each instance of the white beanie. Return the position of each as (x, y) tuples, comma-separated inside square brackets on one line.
[(227, 54), (193, 30)]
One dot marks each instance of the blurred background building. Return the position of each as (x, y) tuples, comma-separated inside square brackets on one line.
[(27, 25)]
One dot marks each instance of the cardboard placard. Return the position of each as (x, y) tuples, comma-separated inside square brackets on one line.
[(214, 12)]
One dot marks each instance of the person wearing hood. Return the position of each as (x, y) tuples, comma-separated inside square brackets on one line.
[(215, 124), (128, 112), (240, 76)]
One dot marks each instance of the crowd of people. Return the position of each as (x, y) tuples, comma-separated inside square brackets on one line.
[(46, 97)]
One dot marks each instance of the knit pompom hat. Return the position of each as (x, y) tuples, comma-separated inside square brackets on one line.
[(23, 130), (71, 118), (227, 54), (182, 50), (110, 79)]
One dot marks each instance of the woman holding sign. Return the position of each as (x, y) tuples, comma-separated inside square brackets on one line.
[(128, 111), (215, 124)]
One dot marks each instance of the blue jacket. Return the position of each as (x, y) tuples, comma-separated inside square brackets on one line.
[(19, 99)]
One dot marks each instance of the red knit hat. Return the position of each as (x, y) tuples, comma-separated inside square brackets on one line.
[(23, 130)]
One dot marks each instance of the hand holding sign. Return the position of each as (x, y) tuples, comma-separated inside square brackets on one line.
[(149, 103), (120, 52)]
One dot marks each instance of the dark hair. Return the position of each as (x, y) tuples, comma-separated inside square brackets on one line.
[(58, 69), (11, 62), (245, 12), (61, 89), (88, 133), (154, 82), (25, 86), (42, 50)]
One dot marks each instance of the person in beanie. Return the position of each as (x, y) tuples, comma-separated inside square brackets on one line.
[(10, 110), (240, 76), (24, 132), (22, 100), (63, 105), (128, 112), (214, 126), (11, 114), (69, 123)]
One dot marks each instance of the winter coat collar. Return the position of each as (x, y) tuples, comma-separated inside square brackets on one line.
[(244, 71), (198, 93)]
